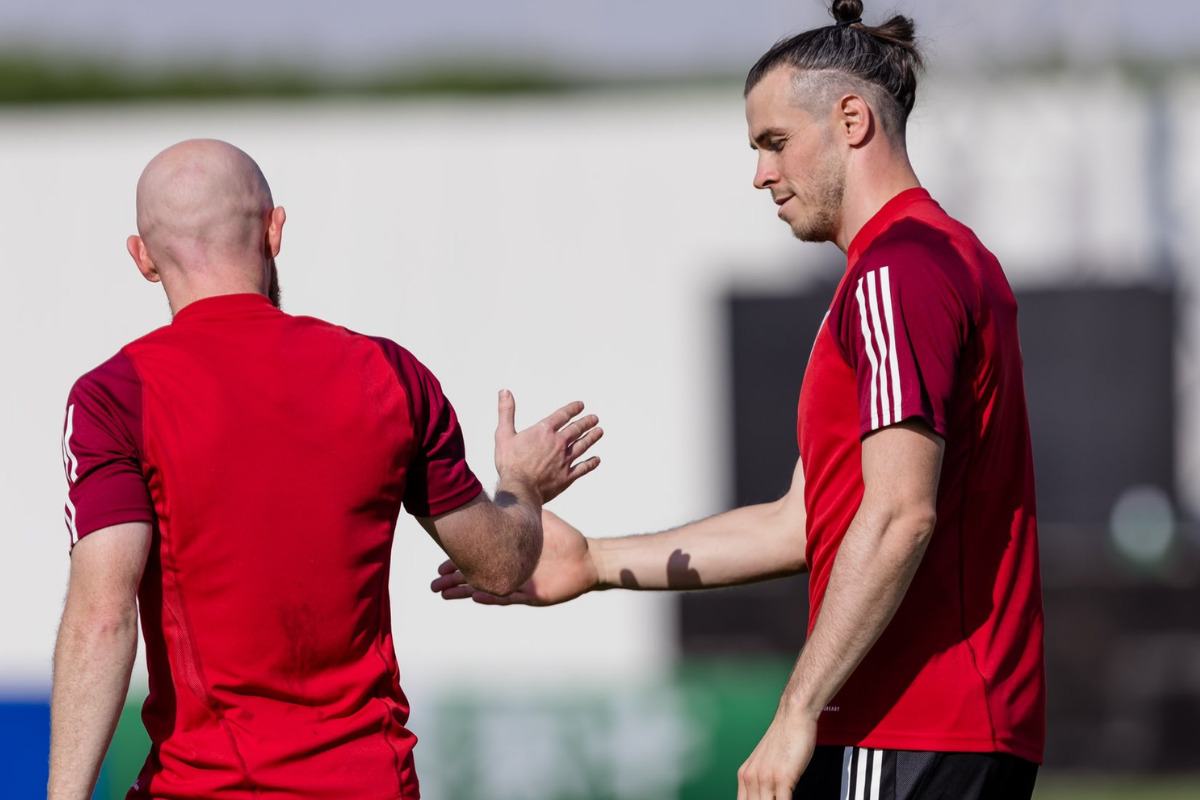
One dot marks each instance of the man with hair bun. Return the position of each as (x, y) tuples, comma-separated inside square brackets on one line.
[(912, 504)]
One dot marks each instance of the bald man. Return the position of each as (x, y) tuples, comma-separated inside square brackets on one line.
[(237, 475)]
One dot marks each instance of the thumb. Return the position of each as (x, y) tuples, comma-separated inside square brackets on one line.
[(507, 410)]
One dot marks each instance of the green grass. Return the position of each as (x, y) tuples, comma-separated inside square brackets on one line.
[(1069, 787), (33, 78)]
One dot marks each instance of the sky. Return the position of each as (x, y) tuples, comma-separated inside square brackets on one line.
[(612, 37)]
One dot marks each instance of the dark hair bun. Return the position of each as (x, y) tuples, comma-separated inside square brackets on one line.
[(885, 56), (846, 10)]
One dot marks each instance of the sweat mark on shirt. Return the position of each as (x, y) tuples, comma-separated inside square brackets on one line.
[(298, 622)]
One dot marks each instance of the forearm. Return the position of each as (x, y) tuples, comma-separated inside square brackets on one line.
[(92, 665), (744, 545), (506, 557), (874, 566)]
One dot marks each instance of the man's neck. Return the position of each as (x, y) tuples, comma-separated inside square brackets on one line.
[(184, 291), (870, 184)]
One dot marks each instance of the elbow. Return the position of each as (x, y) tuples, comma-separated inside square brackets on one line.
[(107, 623), (100, 627), (509, 559), (503, 589), (794, 554), (498, 583), (898, 523), (502, 579), (915, 526)]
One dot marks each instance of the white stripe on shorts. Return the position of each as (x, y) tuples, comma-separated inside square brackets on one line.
[(846, 761)]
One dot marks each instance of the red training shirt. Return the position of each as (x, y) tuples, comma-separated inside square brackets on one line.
[(924, 326), (272, 454)]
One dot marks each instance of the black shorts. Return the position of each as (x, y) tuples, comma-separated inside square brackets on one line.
[(860, 773)]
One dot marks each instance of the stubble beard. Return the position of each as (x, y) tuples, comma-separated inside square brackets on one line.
[(274, 293), (824, 196)]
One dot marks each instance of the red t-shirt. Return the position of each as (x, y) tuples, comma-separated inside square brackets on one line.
[(272, 454), (924, 326)]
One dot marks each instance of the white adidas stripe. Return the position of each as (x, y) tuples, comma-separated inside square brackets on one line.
[(71, 466), (886, 293), (876, 773), (846, 762), (69, 516), (882, 344), (870, 348), (879, 341), (869, 771), (70, 462)]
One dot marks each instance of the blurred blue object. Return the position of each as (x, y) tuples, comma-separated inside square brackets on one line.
[(24, 748)]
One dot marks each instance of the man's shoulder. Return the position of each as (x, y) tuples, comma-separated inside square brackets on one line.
[(912, 241), (117, 372), (932, 254)]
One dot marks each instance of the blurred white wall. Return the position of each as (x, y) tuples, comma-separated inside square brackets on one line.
[(560, 246)]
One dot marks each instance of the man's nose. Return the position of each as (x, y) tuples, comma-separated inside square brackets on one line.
[(765, 174)]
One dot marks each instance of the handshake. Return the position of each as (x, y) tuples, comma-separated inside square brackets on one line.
[(508, 549)]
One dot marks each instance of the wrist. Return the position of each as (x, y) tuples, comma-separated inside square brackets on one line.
[(800, 700), (520, 488), (801, 708), (606, 573)]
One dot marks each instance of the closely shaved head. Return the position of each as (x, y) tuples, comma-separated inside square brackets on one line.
[(205, 220)]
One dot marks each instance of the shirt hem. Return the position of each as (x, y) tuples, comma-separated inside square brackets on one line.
[(113, 518), (937, 744), (455, 501)]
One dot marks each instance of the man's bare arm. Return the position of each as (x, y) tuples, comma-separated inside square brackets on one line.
[(874, 566), (93, 657), (744, 545)]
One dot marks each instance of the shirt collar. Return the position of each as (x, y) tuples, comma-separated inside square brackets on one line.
[(891, 211), (223, 305)]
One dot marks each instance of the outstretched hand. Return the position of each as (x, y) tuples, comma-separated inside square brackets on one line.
[(544, 457), (565, 571)]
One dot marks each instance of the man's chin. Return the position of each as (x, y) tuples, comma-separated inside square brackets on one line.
[(813, 227), (811, 233)]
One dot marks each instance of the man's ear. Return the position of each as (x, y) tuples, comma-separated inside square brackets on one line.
[(855, 120), (141, 256), (275, 230)]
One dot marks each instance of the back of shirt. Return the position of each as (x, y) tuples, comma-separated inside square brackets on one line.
[(277, 452)]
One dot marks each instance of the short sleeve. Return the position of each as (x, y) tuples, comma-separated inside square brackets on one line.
[(438, 479), (904, 328), (101, 451)]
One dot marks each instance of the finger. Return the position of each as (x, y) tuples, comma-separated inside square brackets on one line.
[(447, 581), (582, 468), (447, 567), (458, 592), (563, 415), (485, 599), (584, 443), (579, 427), (507, 411)]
